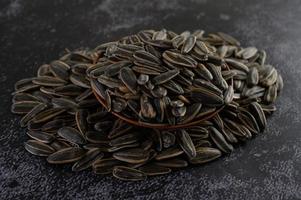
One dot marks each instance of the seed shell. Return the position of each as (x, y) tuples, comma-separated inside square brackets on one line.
[(67, 155)]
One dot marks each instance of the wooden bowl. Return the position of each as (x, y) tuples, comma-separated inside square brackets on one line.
[(162, 126)]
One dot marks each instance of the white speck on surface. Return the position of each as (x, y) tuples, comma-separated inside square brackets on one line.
[(12, 10), (200, 15), (3, 77), (224, 17)]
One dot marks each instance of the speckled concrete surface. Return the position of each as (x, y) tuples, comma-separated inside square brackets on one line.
[(268, 167)]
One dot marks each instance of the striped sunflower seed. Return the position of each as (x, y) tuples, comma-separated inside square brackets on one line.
[(38, 148), (67, 155), (128, 174)]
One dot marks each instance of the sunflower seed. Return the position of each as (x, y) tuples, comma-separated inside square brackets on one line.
[(186, 143), (197, 132), (229, 94), (41, 136), (64, 103), (128, 174), (249, 52), (253, 77), (202, 71), (135, 155), (23, 107), (47, 114), (68, 90), (105, 166), (109, 82), (97, 137), (169, 153), (205, 96), (87, 160), (48, 81), (38, 148), (53, 125), (37, 109), (142, 79), (146, 58), (67, 155), (113, 69), (177, 41), (205, 154), (20, 97), (59, 144), (237, 65), (179, 59), (81, 121), (71, 135), (248, 120), (258, 115), (189, 44), (173, 87), (26, 88), (168, 139), (220, 141), (178, 111), (103, 125), (164, 77), (124, 139), (279, 83), (59, 69), (43, 70), (172, 163), (271, 94), (154, 170)]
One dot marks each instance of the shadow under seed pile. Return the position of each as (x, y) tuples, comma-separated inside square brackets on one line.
[(153, 77)]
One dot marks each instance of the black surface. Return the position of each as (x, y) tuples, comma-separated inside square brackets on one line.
[(34, 32)]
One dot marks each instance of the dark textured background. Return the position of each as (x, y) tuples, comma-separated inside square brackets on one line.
[(33, 32)]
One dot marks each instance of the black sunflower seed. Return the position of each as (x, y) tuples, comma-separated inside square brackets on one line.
[(220, 141), (128, 174), (38, 148), (71, 135), (41, 136), (59, 69), (134, 155), (67, 155), (172, 163), (48, 114), (81, 121), (186, 143), (37, 109), (105, 166), (169, 153), (189, 44), (87, 160), (154, 170), (205, 154), (128, 77), (48, 81), (164, 77)]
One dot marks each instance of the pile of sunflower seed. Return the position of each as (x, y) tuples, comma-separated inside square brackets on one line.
[(162, 77), (153, 77)]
